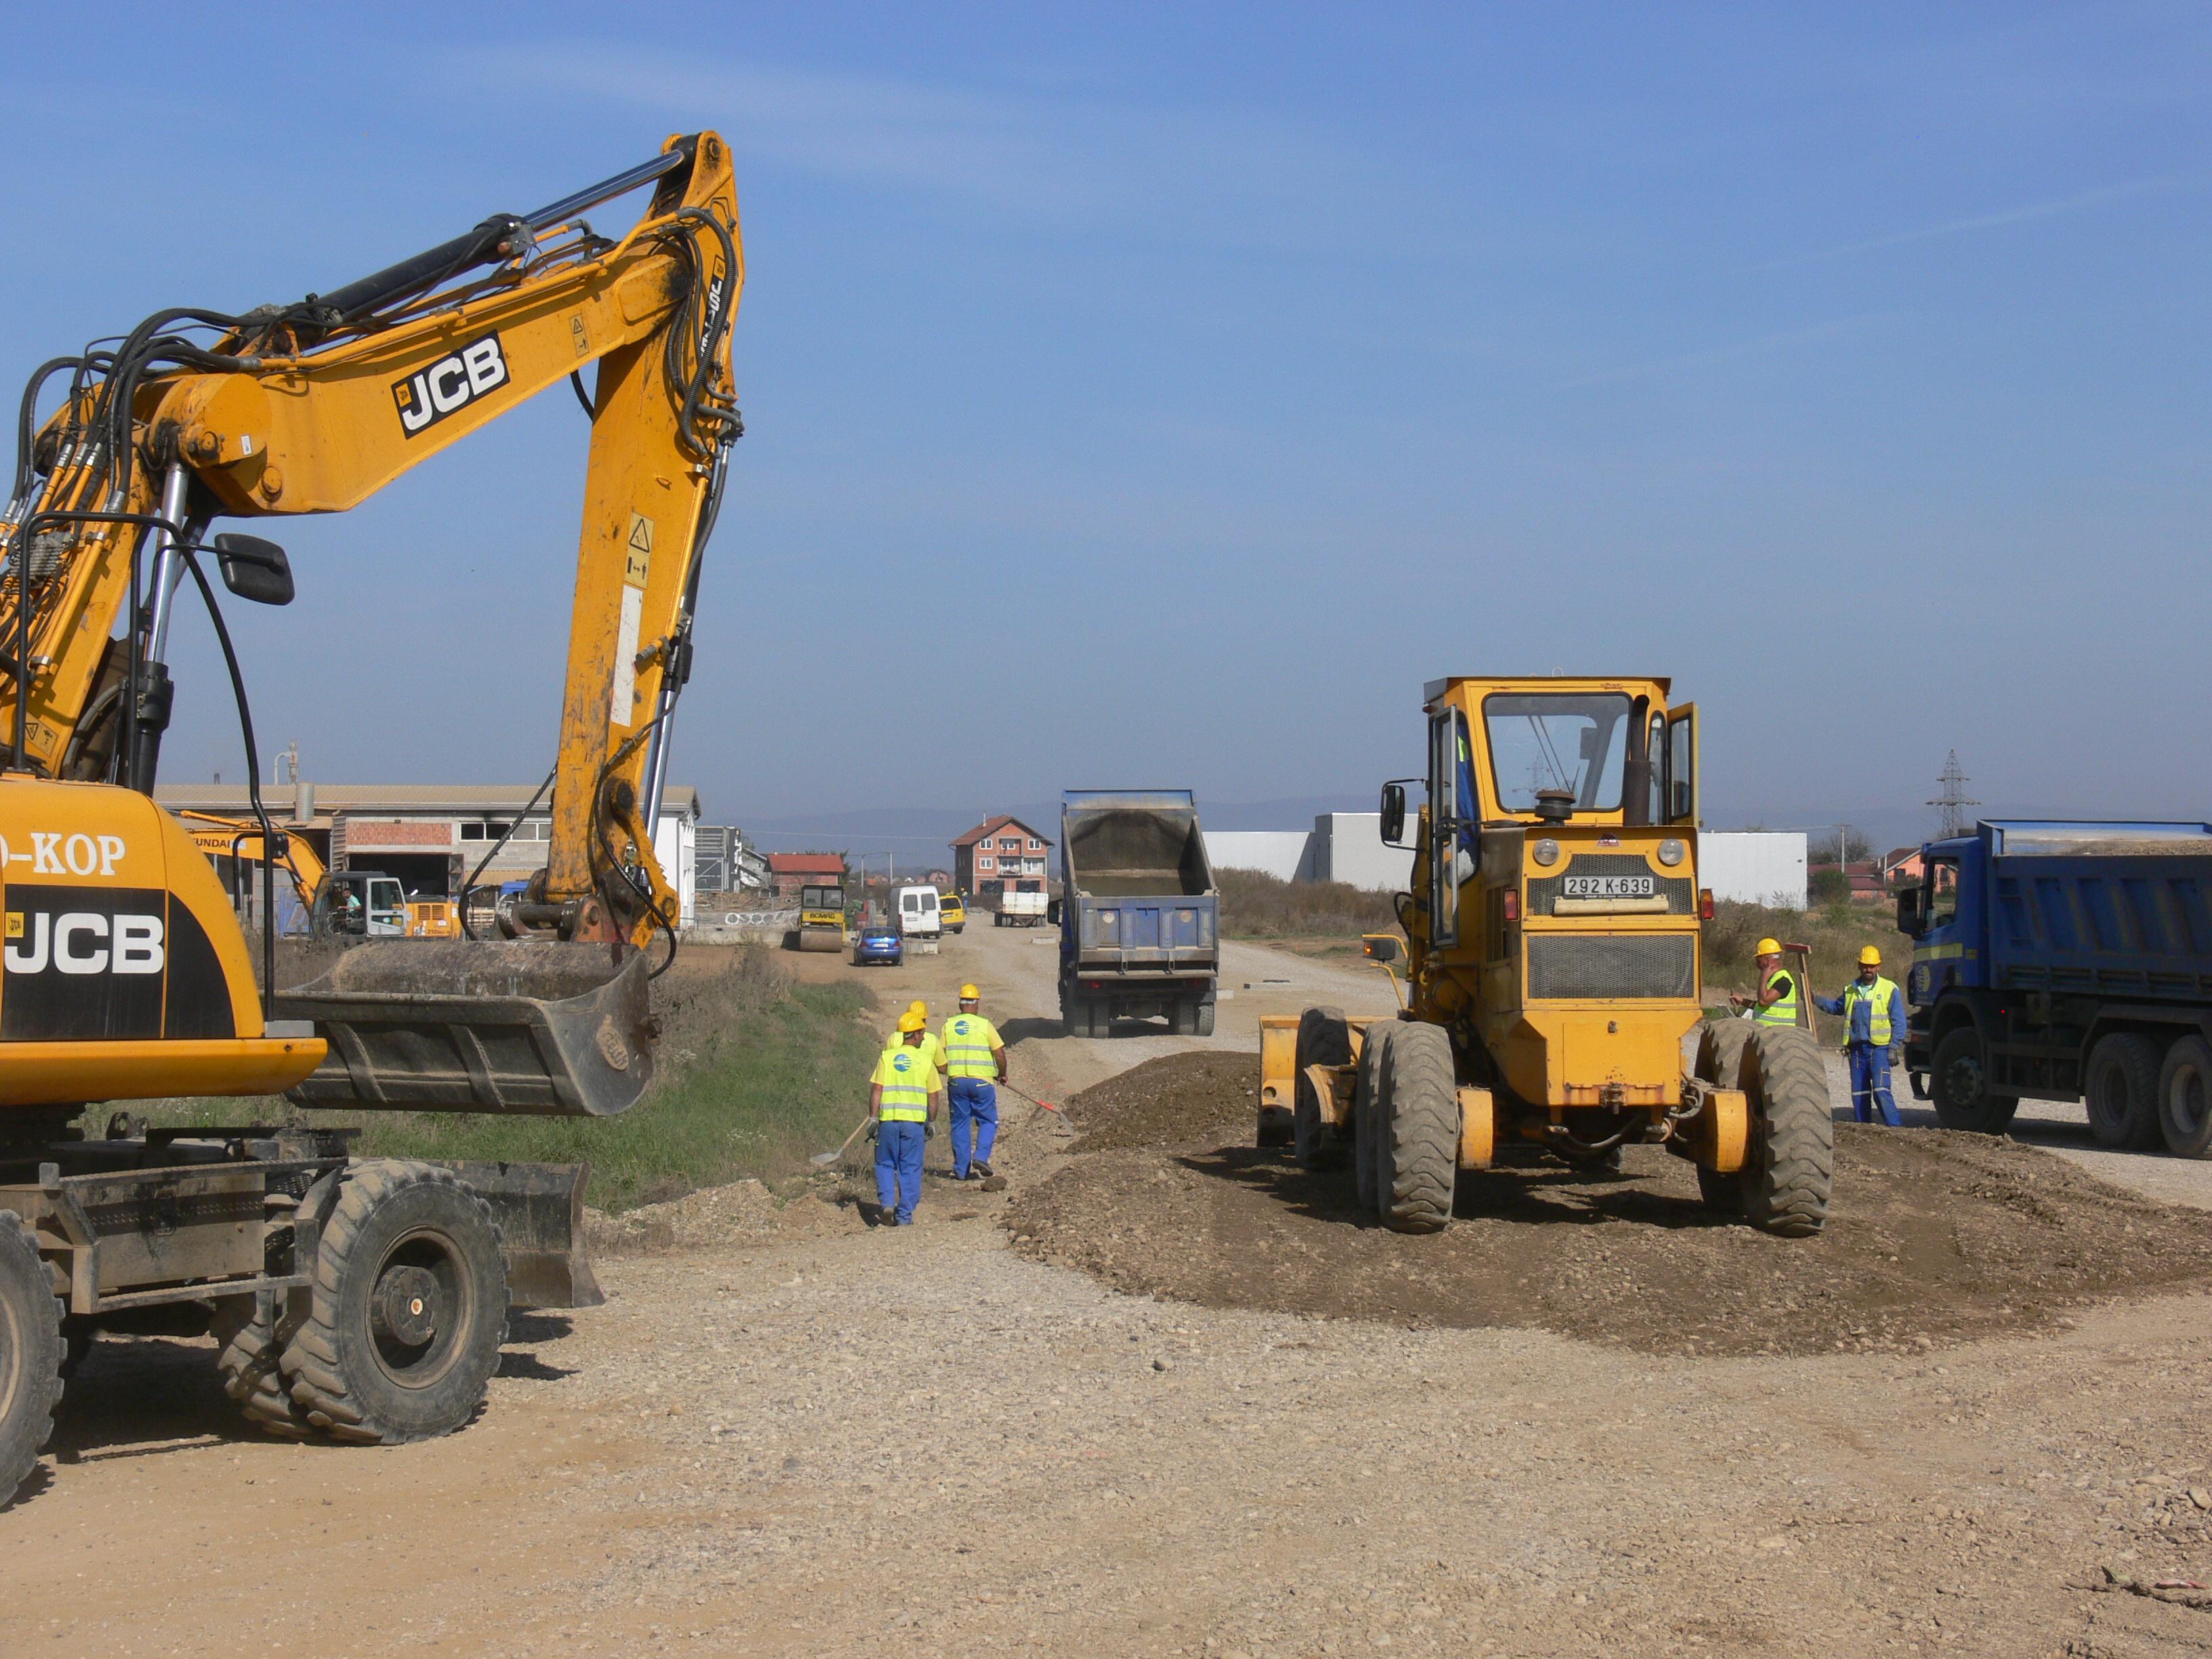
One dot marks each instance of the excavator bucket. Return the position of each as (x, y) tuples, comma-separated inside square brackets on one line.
[(525, 1027)]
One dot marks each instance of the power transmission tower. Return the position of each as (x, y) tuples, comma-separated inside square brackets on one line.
[(1952, 803)]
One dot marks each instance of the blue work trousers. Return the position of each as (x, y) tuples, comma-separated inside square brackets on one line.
[(898, 1169), (974, 1105), (1870, 1085)]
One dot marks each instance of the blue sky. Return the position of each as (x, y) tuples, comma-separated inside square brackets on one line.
[(1158, 396)]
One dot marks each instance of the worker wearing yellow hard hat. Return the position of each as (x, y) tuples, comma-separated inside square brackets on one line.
[(903, 1094), (1873, 1010), (1775, 1002), (975, 1058), (931, 1048)]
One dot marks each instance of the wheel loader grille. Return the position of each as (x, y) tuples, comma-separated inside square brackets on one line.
[(1562, 965), (1679, 891)]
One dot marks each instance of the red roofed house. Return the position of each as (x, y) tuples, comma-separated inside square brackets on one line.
[(793, 871), (999, 849)]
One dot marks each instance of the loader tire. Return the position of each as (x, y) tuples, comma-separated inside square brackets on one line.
[(1720, 1052), (31, 1351), (1790, 1165), (2184, 1098), (408, 1310), (2121, 1092), (1323, 1039), (1419, 1139), (250, 1355), (1371, 1103), (1957, 1085), (1722, 1194)]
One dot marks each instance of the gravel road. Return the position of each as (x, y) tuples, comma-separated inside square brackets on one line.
[(799, 1436)]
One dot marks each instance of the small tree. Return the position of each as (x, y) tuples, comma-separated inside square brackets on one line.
[(1828, 884)]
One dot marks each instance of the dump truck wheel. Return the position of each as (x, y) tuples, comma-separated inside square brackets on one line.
[(1370, 1104), (1419, 1167), (1324, 1039), (1182, 1016), (1957, 1087), (250, 1357), (1206, 1015), (30, 1354), (408, 1308), (1789, 1166), (2121, 1092), (1720, 1052), (2185, 1098)]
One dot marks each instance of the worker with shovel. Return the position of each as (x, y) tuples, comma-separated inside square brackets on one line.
[(976, 1056), (903, 1094)]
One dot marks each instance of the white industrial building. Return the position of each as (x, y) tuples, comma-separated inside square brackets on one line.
[(1747, 866)]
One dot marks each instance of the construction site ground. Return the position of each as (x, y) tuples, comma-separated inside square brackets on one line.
[(1163, 1394)]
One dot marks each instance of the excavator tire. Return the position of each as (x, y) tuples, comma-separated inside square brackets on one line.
[(30, 1354), (1324, 1039), (1720, 1052), (408, 1310), (1371, 1098), (1419, 1167), (250, 1355), (1789, 1166)]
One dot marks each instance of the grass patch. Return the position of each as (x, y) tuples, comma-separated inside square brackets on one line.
[(756, 1072), (1256, 905)]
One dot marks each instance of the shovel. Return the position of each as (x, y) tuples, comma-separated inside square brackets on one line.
[(824, 1160)]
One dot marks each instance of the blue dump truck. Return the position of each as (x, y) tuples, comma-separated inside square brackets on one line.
[(2065, 961), (1139, 922)]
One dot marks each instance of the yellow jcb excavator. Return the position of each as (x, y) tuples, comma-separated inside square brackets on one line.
[(332, 903), (360, 1300)]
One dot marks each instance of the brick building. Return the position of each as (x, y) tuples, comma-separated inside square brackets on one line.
[(790, 872), (996, 851)]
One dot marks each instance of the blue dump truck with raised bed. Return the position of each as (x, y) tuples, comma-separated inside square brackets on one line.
[(2065, 961), (1139, 920)]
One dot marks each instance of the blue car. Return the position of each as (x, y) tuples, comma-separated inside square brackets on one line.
[(877, 941)]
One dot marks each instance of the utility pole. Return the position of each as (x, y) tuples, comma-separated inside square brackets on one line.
[(1951, 806)]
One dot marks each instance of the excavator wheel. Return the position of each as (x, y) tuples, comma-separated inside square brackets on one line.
[(1720, 1052), (1417, 1136), (1324, 1039), (249, 1350), (408, 1311), (31, 1351), (1789, 1166), (1369, 1096)]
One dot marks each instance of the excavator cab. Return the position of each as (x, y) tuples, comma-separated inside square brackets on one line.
[(360, 904)]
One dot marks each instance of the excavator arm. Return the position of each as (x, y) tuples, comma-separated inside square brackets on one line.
[(312, 408)]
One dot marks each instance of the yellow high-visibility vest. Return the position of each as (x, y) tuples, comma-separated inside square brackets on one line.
[(1783, 1011), (905, 1078), (1878, 994), (969, 1040)]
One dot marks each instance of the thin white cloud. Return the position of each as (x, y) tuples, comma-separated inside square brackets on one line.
[(2019, 216)]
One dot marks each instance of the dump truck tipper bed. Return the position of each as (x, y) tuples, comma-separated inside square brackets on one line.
[(1139, 919)]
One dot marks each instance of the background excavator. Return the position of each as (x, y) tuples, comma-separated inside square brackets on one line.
[(329, 903), (361, 1300)]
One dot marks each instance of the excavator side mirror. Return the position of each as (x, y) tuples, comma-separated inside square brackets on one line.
[(256, 570), (1394, 814)]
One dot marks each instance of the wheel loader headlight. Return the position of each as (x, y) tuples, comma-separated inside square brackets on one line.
[(1546, 852), (1670, 852)]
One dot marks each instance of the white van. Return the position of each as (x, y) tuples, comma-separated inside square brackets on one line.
[(918, 912)]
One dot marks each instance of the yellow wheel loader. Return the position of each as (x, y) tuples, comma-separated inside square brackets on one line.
[(1552, 977), (359, 1300)]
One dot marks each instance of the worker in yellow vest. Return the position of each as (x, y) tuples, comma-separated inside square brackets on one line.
[(975, 1059), (1775, 1003), (931, 1048), (904, 1093), (1874, 1031)]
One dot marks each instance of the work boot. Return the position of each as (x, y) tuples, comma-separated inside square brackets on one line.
[(983, 1169)]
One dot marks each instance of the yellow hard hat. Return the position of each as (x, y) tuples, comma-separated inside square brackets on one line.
[(918, 1007), (969, 993), (1768, 947), (1869, 957), (911, 1021)]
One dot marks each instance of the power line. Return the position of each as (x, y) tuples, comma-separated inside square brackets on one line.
[(1951, 806)]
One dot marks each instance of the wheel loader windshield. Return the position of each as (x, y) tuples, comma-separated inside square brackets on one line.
[(1576, 741)]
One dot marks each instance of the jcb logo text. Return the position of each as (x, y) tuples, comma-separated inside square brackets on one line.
[(427, 397)]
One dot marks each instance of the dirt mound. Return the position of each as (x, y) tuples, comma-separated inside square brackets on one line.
[(1934, 1238), (1173, 1101)]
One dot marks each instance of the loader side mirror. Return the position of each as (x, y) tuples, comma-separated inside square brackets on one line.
[(1394, 814), (256, 570), (1382, 947)]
